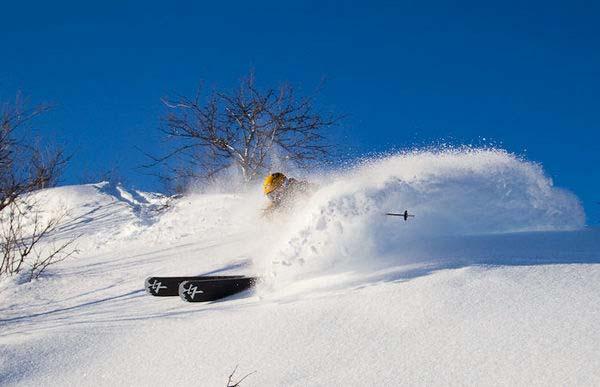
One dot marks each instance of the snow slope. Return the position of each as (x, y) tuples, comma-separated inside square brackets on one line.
[(496, 281)]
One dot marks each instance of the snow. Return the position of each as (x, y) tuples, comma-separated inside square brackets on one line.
[(496, 281)]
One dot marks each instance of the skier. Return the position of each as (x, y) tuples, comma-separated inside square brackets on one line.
[(283, 191)]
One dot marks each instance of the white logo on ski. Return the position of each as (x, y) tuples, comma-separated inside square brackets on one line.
[(192, 291), (156, 286)]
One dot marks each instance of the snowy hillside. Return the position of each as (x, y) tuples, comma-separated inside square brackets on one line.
[(496, 281)]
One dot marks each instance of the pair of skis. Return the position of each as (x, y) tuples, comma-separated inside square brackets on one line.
[(199, 288)]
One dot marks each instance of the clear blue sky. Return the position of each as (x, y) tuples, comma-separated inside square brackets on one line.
[(522, 74)]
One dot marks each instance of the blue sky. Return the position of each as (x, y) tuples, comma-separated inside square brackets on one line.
[(525, 75)]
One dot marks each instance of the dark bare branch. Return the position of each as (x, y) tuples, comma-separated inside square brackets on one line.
[(231, 383), (246, 128), (26, 165)]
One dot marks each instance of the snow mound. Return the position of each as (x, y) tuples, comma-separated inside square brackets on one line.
[(105, 213), (455, 195)]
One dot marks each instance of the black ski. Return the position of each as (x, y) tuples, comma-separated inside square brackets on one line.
[(214, 289), (169, 286)]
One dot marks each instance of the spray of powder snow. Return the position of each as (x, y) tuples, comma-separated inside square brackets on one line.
[(452, 193)]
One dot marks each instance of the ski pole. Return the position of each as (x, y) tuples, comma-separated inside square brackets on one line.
[(404, 215)]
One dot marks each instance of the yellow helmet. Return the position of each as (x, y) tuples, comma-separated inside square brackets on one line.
[(273, 181)]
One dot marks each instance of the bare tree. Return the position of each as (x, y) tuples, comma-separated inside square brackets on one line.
[(21, 231), (245, 128), (25, 166), (46, 166), (14, 179)]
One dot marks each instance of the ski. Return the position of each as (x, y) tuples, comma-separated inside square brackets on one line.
[(215, 289), (169, 286)]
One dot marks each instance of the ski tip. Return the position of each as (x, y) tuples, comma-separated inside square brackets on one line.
[(156, 286), (148, 285), (183, 290)]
